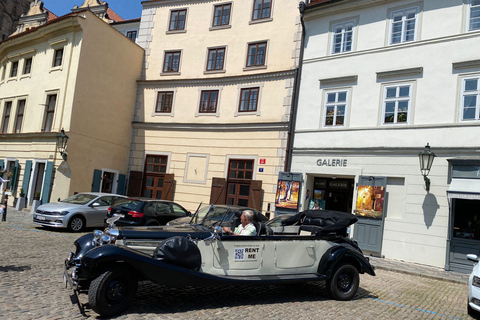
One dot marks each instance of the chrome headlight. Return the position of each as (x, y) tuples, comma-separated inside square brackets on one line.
[(100, 238), (62, 213)]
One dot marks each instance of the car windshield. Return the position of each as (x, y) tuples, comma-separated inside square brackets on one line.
[(277, 221), (80, 198), (130, 204), (212, 213)]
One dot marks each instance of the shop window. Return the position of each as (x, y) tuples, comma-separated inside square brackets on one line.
[(466, 219)]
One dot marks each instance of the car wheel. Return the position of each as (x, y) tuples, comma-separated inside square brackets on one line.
[(152, 222), (343, 284), (76, 224), (111, 292)]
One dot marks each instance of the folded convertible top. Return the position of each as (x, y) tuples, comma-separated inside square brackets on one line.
[(327, 220)]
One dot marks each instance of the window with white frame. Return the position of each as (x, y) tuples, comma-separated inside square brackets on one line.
[(403, 25), (342, 37), (6, 116), (470, 105), (396, 103), (474, 15), (335, 108)]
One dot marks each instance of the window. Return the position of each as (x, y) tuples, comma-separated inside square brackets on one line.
[(248, 100), (403, 25), (342, 37), (221, 15), (396, 104), (57, 61), (19, 117), (132, 35), (14, 70), (256, 54), (171, 62), (177, 20), (27, 66), (49, 112), (261, 9), (335, 106), (240, 174), (474, 21), (470, 99), (6, 116), (215, 59), (208, 101), (4, 67), (164, 102)]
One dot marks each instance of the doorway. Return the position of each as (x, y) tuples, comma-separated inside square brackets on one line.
[(36, 184)]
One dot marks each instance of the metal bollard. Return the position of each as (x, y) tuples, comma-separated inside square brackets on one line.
[(4, 215)]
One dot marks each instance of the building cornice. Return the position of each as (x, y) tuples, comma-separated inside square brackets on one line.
[(402, 46), (31, 136), (323, 9), (216, 127), (225, 79)]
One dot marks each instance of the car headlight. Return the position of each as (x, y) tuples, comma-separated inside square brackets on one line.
[(476, 281), (62, 213)]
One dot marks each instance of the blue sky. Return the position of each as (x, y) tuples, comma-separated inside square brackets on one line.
[(127, 9)]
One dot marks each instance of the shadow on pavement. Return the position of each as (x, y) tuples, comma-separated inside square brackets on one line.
[(14, 268)]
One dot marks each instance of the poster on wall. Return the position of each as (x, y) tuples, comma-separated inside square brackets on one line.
[(287, 194), (370, 202)]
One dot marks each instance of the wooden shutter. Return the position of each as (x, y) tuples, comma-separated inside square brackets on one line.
[(121, 184), (16, 173), (97, 179), (26, 176), (47, 182), (168, 187), (218, 191), (255, 196), (135, 184), (1, 164)]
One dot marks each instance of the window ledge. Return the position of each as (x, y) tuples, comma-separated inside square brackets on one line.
[(249, 113), (164, 114), (170, 73), (472, 64), (254, 68), (53, 69), (260, 20), (399, 73), (213, 71), (176, 31), (12, 79), (339, 80), (226, 26), (25, 76)]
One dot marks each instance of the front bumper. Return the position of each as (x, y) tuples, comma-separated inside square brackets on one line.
[(70, 279), (50, 221)]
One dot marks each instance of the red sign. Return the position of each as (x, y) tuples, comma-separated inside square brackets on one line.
[(262, 161)]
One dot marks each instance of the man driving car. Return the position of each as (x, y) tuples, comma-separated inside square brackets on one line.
[(246, 227)]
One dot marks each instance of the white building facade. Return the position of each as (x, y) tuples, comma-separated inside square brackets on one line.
[(380, 80)]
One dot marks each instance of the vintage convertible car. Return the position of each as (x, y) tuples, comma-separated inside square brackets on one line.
[(309, 246)]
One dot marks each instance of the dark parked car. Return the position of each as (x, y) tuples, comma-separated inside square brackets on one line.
[(108, 265), (146, 212)]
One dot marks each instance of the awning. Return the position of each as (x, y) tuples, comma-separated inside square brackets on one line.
[(464, 189)]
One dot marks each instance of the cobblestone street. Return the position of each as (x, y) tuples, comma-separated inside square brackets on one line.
[(31, 287)]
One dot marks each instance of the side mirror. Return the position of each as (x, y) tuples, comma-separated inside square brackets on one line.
[(189, 214), (95, 204), (472, 257)]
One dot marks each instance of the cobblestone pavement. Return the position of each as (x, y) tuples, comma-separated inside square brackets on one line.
[(31, 287)]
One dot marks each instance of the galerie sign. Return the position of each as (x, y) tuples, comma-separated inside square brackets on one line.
[(332, 162)]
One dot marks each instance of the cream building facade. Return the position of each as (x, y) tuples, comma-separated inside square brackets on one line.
[(212, 113), (52, 77), (381, 79)]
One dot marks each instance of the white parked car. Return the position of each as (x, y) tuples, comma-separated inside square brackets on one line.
[(77, 212), (474, 287)]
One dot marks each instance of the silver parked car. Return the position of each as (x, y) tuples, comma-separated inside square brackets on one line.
[(76, 212)]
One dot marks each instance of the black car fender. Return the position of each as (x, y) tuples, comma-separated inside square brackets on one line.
[(340, 254)]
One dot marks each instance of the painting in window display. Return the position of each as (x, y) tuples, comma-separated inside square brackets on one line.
[(287, 194), (317, 203), (370, 202)]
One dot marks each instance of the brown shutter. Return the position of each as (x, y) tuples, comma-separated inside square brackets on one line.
[(218, 191), (135, 184), (255, 196), (168, 186)]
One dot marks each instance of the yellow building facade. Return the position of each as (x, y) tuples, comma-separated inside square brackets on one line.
[(213, 108)]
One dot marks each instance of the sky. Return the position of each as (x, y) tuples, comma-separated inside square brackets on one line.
[(127, 9)]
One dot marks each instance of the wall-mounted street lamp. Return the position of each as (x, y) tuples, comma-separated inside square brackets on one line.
[(62, 139), (426, 160)]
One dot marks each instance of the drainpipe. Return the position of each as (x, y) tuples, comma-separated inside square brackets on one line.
[(296, 90)]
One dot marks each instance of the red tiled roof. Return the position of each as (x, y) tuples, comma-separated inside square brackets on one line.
[(51, 16), (113, 15)]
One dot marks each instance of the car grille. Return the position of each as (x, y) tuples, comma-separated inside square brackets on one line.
[(43, 221)]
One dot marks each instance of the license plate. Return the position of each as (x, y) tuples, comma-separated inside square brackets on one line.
[(40, 218)]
